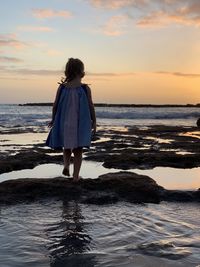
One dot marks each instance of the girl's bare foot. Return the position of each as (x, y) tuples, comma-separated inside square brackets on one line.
[(66, 172), (77, 179)]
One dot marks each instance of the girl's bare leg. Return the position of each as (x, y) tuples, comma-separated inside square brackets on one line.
[(66, 158), (77, 162)]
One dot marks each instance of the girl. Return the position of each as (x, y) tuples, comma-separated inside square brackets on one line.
[(73, 117)]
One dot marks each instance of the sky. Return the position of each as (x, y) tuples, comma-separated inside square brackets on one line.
[(134, 51)]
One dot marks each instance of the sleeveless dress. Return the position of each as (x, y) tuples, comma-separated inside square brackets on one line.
[(72, 124)]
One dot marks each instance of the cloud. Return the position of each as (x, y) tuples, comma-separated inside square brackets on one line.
[(161, 18), (180, 74), (115, 26), (111, 74), (50, 13), (47, 72), (27, 71), (171, 12), (11, 41), (37, 72), (155, 13), (10, 59), (35, 29), (117, 4), (125, 74), (53, 52)]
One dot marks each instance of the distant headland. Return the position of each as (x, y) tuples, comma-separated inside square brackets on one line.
[(125, 105)]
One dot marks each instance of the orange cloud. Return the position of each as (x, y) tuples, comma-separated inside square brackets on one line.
[(110, 74), (50, 13), (53, 52), (44, 72), (155, 13), (116, 4), (115, 26), (35, 28), (161, 18), (11, 41), (180, 74)]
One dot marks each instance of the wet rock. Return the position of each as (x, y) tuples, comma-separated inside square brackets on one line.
[(26, 160), (127, 160), (108, 188), (135, 147), (155, 146), (178, 195)]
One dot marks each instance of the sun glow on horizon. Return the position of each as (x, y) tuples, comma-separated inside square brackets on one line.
[(134, 52)]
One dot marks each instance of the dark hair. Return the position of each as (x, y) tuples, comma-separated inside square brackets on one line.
[(74, 67)]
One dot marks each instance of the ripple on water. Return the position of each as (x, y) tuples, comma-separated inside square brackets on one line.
[(55, 233), (163, 248)]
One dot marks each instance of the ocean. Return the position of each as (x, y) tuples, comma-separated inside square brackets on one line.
[(15, 115), (58, 234)]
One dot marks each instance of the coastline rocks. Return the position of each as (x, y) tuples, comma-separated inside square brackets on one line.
[(148, 147), (107, 188), (26, 160), (126, 148), (127, 160)]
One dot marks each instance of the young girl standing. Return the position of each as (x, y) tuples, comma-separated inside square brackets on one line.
[(73, 117)]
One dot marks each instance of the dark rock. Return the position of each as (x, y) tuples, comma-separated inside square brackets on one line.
[(178, 195), (108, 188), (127, 160), (132, 148), (26, 160)]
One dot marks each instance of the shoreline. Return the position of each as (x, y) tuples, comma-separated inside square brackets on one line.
[(132, 148), (106, 189), (126, 105), (120, 148)]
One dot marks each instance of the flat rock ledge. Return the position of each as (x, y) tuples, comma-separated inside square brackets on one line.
[(107, 188)]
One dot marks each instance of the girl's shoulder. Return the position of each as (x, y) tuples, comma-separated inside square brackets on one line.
[(86, 88)]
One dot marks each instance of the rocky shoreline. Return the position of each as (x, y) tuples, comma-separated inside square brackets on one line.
[(121, 148), (126, 105), (106, 189)]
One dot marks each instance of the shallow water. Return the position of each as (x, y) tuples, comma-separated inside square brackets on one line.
[(56, 234), (53, 233)]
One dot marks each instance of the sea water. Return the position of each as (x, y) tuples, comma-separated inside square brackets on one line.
[(54, 233), (15, 115), (58, 234)]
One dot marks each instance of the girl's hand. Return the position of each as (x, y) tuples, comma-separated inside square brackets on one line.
[(50, 124)]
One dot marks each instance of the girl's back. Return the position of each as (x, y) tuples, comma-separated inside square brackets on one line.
[(73, 117)]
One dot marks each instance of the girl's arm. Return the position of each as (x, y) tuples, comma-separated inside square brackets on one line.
[(55, 105), (92, 110)]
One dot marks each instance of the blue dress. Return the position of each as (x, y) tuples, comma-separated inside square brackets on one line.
[(72, 126)]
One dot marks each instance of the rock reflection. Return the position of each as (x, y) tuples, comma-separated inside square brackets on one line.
[(69, 242)]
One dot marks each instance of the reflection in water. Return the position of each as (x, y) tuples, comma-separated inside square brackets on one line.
[(69, 242), (56, 234)]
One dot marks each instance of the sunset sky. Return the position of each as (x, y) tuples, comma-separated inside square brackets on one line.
[(134, 51)]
